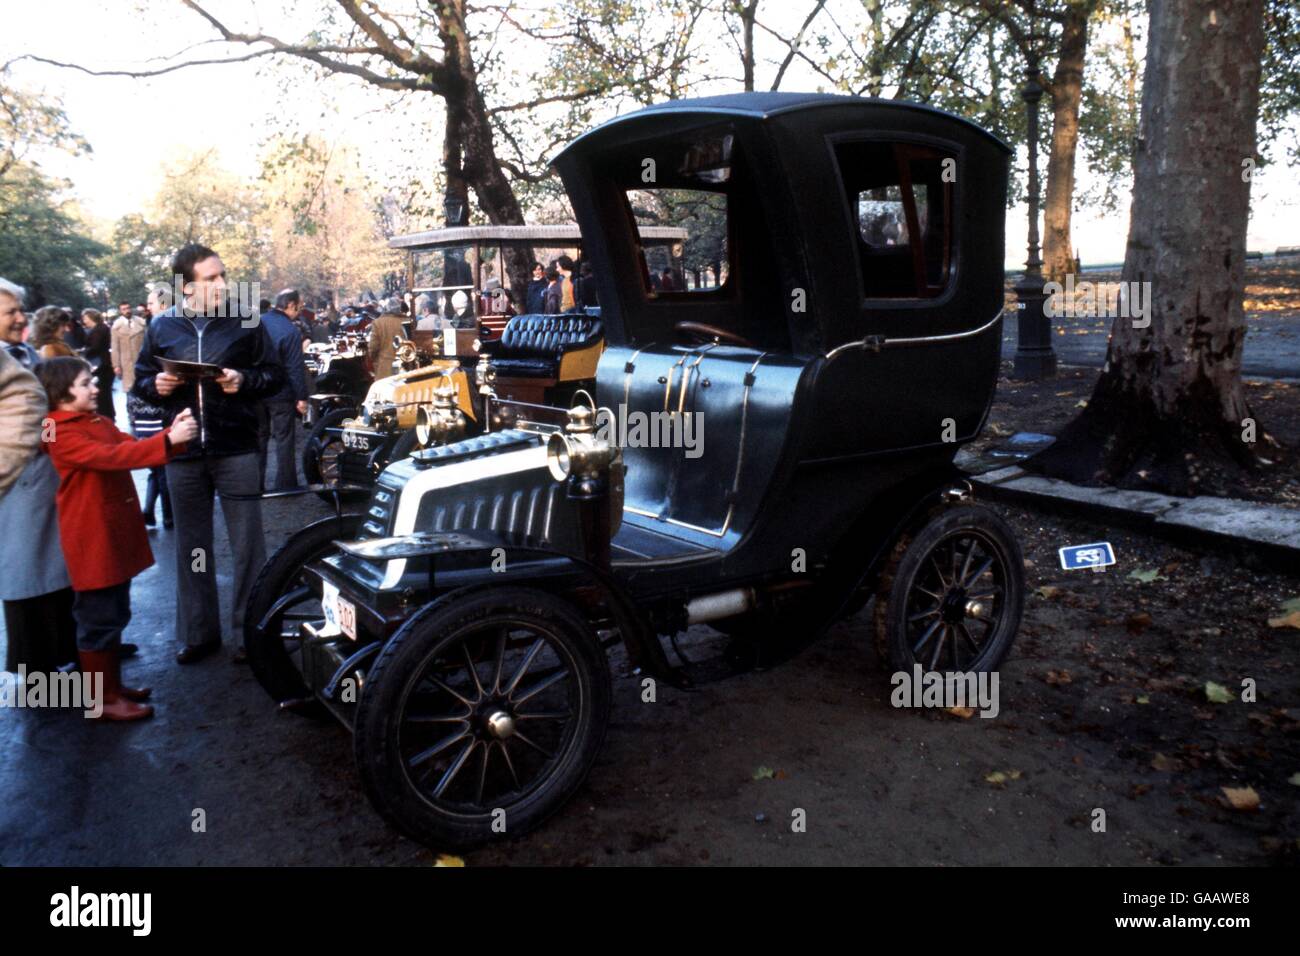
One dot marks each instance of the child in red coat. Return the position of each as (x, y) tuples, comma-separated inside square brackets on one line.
[(100, 523)]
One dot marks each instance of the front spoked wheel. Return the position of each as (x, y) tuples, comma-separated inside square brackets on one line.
[(952, 594), (482, 716), (280, 602)]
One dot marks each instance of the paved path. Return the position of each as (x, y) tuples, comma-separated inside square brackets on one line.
[(1272, 348)]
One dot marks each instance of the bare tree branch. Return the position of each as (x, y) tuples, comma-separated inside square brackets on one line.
[(798, 39)]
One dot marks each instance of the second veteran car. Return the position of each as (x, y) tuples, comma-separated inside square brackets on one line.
[(769, 449)]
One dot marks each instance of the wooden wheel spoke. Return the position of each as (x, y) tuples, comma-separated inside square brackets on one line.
[(436, 719), (925, 637), (938, 648), (923, 615), (979, 573), (461, 759), (482, 774), (469, 664), (523, 739), (965, 565), (546, 715), (526, 663), (510, 764), (541, 686), (939, 571), (426, 755), (449, 689), (502, 635)]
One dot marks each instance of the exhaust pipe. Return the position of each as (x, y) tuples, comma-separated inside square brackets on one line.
[(711, 607)]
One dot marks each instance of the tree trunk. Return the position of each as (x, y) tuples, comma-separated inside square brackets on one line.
[(1168, 410), (1067, 95), (748, 13), (479, 167)]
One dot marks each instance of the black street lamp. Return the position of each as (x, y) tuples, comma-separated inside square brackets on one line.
[(1035, 357)]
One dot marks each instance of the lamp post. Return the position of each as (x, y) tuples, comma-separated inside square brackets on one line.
[(1035, 357)]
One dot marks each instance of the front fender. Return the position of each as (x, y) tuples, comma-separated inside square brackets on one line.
[(468, 560)]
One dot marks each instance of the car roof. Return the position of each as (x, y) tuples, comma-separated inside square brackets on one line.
[(762, 106), (567, 233)]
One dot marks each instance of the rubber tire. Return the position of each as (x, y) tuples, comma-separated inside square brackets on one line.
[(403, 447), (311, 453), (379, 762), (901, 567), (272, 667), (316, 442)]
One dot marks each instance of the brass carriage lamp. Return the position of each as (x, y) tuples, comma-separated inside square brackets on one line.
[(442, 422), (592, 469), (485, 376), (576, 453)]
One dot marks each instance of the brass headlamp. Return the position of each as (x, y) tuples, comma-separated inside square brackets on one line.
[(442, 422), (577, 451)]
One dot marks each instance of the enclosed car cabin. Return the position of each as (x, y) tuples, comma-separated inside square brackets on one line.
[(836, 323)]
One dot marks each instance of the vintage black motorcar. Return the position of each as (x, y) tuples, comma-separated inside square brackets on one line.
[(778, 417)]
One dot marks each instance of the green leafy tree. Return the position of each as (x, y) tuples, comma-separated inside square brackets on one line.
[(43, 246)]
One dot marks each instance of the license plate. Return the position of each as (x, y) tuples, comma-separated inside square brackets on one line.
[(355, 441), (340, 613)]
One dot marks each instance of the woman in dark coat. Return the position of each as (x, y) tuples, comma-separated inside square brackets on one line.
[(98, 352)]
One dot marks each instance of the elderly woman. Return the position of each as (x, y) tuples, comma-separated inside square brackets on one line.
[(98, 352), (35, 588), (47, 332)]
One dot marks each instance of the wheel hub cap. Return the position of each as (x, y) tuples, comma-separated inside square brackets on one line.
[(500, 724), (955, 606)]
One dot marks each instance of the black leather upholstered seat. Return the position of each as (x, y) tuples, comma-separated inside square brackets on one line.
[(531, 345)]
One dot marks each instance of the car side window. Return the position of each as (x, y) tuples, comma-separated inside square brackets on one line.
[(900, 196)]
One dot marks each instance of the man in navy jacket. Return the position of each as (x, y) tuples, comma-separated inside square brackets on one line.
[(282, 408), (223, 459)]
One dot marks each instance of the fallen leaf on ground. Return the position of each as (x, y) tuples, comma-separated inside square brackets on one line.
[(1290, 620), (965, 713), (1165, 764), (1058, 677), (1291, 605), (1147, 576), (1217, 693), (446, 859), (1294, 779), (1137, 623), (764, 773), (1241, 798), (998, 778), (1047, 591), (1144, 699)]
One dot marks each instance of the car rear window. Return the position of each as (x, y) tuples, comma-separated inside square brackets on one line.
[(900, 198)]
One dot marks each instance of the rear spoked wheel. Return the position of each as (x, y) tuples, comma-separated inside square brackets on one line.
[(952, 594), (482, 716)]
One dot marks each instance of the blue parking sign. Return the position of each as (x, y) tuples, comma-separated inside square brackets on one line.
[(1098, 555)]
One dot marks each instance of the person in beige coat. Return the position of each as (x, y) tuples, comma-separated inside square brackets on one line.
[(128, 336), (21, 412), (382, 331)]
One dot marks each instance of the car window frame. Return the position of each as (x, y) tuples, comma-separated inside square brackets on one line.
[(957, 152)]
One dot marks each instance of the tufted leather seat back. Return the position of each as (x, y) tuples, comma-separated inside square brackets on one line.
[(549, 335)]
